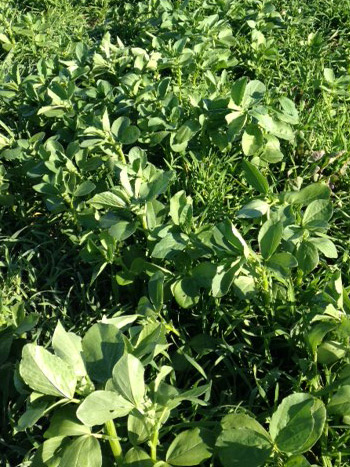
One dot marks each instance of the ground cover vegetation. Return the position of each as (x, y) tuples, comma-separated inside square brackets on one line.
[(174, 192)]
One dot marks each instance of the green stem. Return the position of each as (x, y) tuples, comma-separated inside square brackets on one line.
[(299, 278), (179, 82), (121, 154), (143, 219), (114, 442), (266, 288), (155, 437), (60, 402), (154, 443)]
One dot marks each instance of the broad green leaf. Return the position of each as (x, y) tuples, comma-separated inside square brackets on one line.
[(90, 142), (46, 373), (85, 188), (330, 352), (253, 209), (238, 89), (290, 113), (181, 209), (298, 423), (151, 338), (128, 379), (243, 441), (103, 346), (137, 457), (68, 347), (329, 75), (121, 321), (335, 290), (26, 323), (272, 151), (139, 427), (340, 402), (107, 200), (227, 237), (101, 406), (223, 279), (283, 260), (270, 236), (275, 127), (325, 246), (297, 461), (47, 454), (186, 292), (203, 274), (83, 451), (188, 448), (244, 287), (122, 230), (240, 420), (156, 185), (33, 413), (155, 214), (318, 332), (163, 372), (243, 447), (252, 140), (169, 246), (163, 87), (130, 135), (156, 289), (52, 111), (254, 91), (308, 194), (180, 139), (255, 178), (124, 132), (307, 256), (45, 188), (194, 394), (64, 422), (318, 210), (235, 121)]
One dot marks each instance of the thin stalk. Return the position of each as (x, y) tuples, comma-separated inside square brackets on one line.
[(114, 442), (121, 154), (155, 437), (143, 219), (61, 402), (266, 288), (179, 82)]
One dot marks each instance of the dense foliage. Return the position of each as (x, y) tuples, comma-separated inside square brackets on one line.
[(175, 233)]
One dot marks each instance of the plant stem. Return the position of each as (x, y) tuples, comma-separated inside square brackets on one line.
[(155, 437), (114, 442), (121, 154), (143, 219), (179, 82), (266, 288)]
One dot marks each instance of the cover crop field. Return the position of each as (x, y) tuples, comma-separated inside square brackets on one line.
[(175, 233)]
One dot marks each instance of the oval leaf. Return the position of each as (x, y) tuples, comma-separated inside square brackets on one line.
[(68, 347), (188, 448), (101, 406), (255, 178), (298, 423), (128, 379), (84, 451), (307, 256), (270, 236), (103, 346), (46, 373)]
